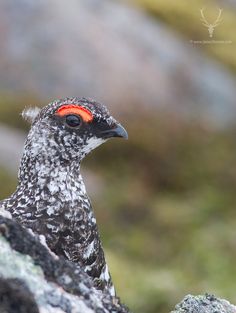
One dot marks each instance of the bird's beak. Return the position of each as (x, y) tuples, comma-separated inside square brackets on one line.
[(117, 131)]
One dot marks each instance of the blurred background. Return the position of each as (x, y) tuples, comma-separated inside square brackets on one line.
[(165, 200)]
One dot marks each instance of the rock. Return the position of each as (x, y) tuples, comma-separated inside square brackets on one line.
[(34, 280), (204, 304), (15, 297)]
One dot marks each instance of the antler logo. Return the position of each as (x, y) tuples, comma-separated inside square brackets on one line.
[(211, 26)]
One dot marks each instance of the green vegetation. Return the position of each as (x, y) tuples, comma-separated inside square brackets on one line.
[(184, 16), (7, 184), (11, 108)]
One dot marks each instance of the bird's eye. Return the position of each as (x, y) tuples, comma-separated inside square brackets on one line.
[(73, 120)]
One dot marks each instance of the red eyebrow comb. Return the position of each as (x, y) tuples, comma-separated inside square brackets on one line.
[(86, 115)]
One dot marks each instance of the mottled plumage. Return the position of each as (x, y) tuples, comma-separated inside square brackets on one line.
[(51, 198)]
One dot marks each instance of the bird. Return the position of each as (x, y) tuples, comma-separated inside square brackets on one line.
[(51, 198)]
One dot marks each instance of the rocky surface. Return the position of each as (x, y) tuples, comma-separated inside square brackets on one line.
[(204, 304), (15, 297)]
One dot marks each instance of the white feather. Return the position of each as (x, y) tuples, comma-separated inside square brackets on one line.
[(30, 114)]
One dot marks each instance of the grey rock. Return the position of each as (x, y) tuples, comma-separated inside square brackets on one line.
[(16, 297), (204, 304)]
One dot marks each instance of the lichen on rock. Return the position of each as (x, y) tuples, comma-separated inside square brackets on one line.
[(204, 304)]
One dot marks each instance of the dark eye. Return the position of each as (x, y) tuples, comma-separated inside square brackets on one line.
[(73, 120)]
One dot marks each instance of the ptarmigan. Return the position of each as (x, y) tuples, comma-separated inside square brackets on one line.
[(51, 198)]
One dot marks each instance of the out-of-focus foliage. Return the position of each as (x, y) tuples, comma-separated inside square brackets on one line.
[(184, 16), (7, 183), (12, 107), (166, 210)]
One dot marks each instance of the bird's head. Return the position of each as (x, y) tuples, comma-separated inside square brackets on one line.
[(69, 129)]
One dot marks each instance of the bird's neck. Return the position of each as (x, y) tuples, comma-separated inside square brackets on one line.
[(43, 179)]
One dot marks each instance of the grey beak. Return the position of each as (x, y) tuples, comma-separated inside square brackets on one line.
[(117, 131)]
